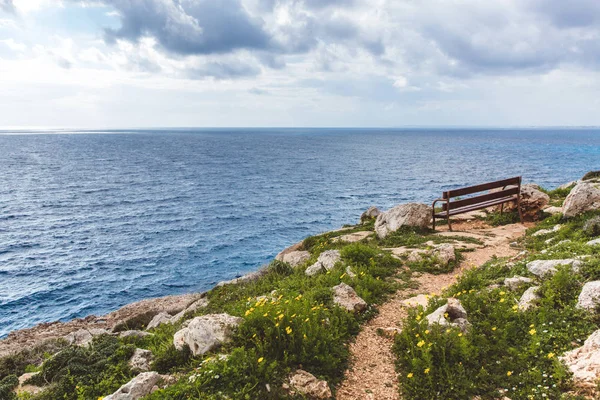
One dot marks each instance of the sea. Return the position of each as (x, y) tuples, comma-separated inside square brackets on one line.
[(93, 220)]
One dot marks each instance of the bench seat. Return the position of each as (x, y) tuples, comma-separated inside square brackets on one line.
[(475, 207)]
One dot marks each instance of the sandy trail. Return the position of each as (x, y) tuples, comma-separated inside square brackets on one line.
[(372, 372)]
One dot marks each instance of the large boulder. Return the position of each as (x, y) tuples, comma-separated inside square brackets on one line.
[(345, 296), (589, 296), (206, 332), (584, 361), (83, 337), (308, 385), (136, 388), (326, 260), (585, 196), (295, 258), (372, 212), (516, 281), (410, 214), (25, 388), (140, 360), (533, 200), (548, 267)]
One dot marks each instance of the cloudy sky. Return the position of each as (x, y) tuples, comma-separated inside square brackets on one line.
[(144, 63)]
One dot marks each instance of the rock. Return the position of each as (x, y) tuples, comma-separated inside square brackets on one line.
[(160, 318), (568, 185), (206, 332), (589, 296), (584, 361), (532, 201), (585, 196), (308, 385), (195, 306), (529, 298), (352, 237), (541, 232), (26, 388), (84, 337), (444, 253), (349, 272), (140, 360), (516, 281), (543, 267), (592, 175), (136, 388), (346, 297), (372, 212), (282, 253), (249, 277), (553, 210), (419, 300), (410, 214), (450, 314), (133, 334), (326, 260), (595, 242), (295, 258)]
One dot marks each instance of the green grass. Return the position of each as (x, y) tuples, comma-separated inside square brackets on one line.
[(506, 352)]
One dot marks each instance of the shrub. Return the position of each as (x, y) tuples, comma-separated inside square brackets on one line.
[(7, 385), (592, 227), (497, 219), (18, 363), (591, 175)]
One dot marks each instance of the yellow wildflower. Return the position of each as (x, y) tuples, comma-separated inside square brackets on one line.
[(280, 316), (343, 275), (550, 355), (502, 300), (261, 360), (307, 319), (421, 343), (460, 334), (288, 330), (509, 373), (410, 375), (532, 332), (427, 332), (502, 293), (426, 371), (494, 328)]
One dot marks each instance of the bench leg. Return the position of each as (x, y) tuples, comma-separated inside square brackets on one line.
[(519, 208)]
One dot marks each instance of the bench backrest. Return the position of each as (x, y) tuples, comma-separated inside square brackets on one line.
[(508, 187)]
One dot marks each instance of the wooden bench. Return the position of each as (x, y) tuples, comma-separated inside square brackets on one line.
[(508, 190)]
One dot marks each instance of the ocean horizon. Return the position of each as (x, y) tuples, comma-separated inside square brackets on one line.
[(91, 220)]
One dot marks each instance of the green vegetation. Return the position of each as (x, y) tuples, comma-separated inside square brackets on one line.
[(591, 175), (506, 351)]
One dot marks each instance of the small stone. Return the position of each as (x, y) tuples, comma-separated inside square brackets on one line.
[(589, 296), (140, 360), (516, 281), (548, 267), (349, 272), (160, 318), (372, 212), (136, 388), (308, 385), (419, 300), (529, 298), (345, 296), (133, 334), (595, 242), (326, 260)]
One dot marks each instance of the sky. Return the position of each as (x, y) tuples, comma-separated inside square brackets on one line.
[(299, 63)]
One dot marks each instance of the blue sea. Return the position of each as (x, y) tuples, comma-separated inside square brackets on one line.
[(91, 221)]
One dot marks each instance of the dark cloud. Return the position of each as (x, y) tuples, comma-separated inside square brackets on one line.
[(223, 70), (7, 6), (188, 27), (568, 14)]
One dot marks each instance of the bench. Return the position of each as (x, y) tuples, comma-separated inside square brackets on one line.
[(507, 190)]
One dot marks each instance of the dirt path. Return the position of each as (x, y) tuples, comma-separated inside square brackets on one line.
[(372, 373)]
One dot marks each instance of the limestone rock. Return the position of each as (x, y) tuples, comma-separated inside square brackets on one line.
[(553, 210), (372, 212), (595, 242), (541, 232), (294, 247), (444, 253), (529, 298), (136, 388), (160, 318), (249, 277), (295, 258), (352, 237), (349, 272), (532, 201), (419, 300), (589, 297), (516, 281), (133, 334), (140, 360), (26, 388), (195, 306), (450, 314), (345, 296), (206, 332), (84, 337), (410, 214), (543, 267), (584, 361), (326, 260), (308, 385), (585, 196), (568, 185)]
